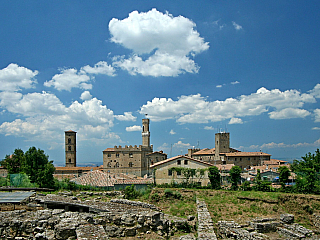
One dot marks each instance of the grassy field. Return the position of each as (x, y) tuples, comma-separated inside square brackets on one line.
[(240, 206)]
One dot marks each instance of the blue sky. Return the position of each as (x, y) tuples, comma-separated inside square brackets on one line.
[(195, 67)]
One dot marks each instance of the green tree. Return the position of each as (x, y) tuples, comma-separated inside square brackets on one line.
[(235, 177), (14, 162), (39, 169), (214, 177), (284, 174), (307, 170)]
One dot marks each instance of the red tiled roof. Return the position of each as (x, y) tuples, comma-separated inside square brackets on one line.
[(78, 168), (101, 179), (177, 157), (244, 154)]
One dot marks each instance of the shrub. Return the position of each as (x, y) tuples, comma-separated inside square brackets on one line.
[(155, 197), (130, 192)]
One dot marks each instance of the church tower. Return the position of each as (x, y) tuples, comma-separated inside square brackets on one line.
[(71, 149), (145, 133)]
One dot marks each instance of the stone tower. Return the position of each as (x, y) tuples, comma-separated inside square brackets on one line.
[(222, 144), (71, 149), (145, 133)]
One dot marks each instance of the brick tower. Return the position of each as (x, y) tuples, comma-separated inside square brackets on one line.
[(71, 149)]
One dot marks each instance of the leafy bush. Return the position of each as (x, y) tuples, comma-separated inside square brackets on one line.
[(246, 186), (168, 193), (155, 197), (130, 192)]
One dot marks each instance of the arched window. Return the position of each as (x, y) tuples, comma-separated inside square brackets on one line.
[(69, 140), (130, 164), (117, 164), (109, 164), (69, 160), (69, 148)]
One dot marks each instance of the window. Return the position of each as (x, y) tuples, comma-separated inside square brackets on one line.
[(130, 155), (169, 172), (178, 173), (117, 155), (130, 164), (69, 160), (69, 148), (156, 159), (69, 140), (179, 162), (185, 162), (117, 164), (109, 154), (109, 164), (235, 159), (240, 159), (248, 158)]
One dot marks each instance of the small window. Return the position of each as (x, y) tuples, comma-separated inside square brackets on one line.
[(235, 159), (156, 159), (117, 164), (117, 155), (240, 159), (69, 140), (179, 162), (185, 162), (109, 164), (130, 164), (69, 148), (170, 172), (109, 154), (69, 160), (130, 155), (248, 158)]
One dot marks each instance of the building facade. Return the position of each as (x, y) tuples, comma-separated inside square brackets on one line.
[(164, 174), (130, 159), (71, 148)]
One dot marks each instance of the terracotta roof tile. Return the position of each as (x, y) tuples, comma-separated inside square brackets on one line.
[(177, 157)]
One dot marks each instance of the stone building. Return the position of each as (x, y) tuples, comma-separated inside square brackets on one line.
[(223, 154), (71, 148), (132, 159), (164, 174)]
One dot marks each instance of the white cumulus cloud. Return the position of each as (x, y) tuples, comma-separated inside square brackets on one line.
[(68, 79), (162, 44), (172, 132), (85, 95), (127, 116), (197, 109), (101, 67), (289, 113), (235, 121), (14, 77), (134, 128)]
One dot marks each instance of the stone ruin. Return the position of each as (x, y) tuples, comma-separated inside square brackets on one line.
[(256, 229), (67, 217)]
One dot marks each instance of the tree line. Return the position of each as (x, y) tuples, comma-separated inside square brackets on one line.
[(34, 163)]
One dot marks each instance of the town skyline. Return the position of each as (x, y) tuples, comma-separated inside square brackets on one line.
[(251, 69)]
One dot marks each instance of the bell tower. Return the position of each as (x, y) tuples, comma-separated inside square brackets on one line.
[(145, 132), (71, 148)]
